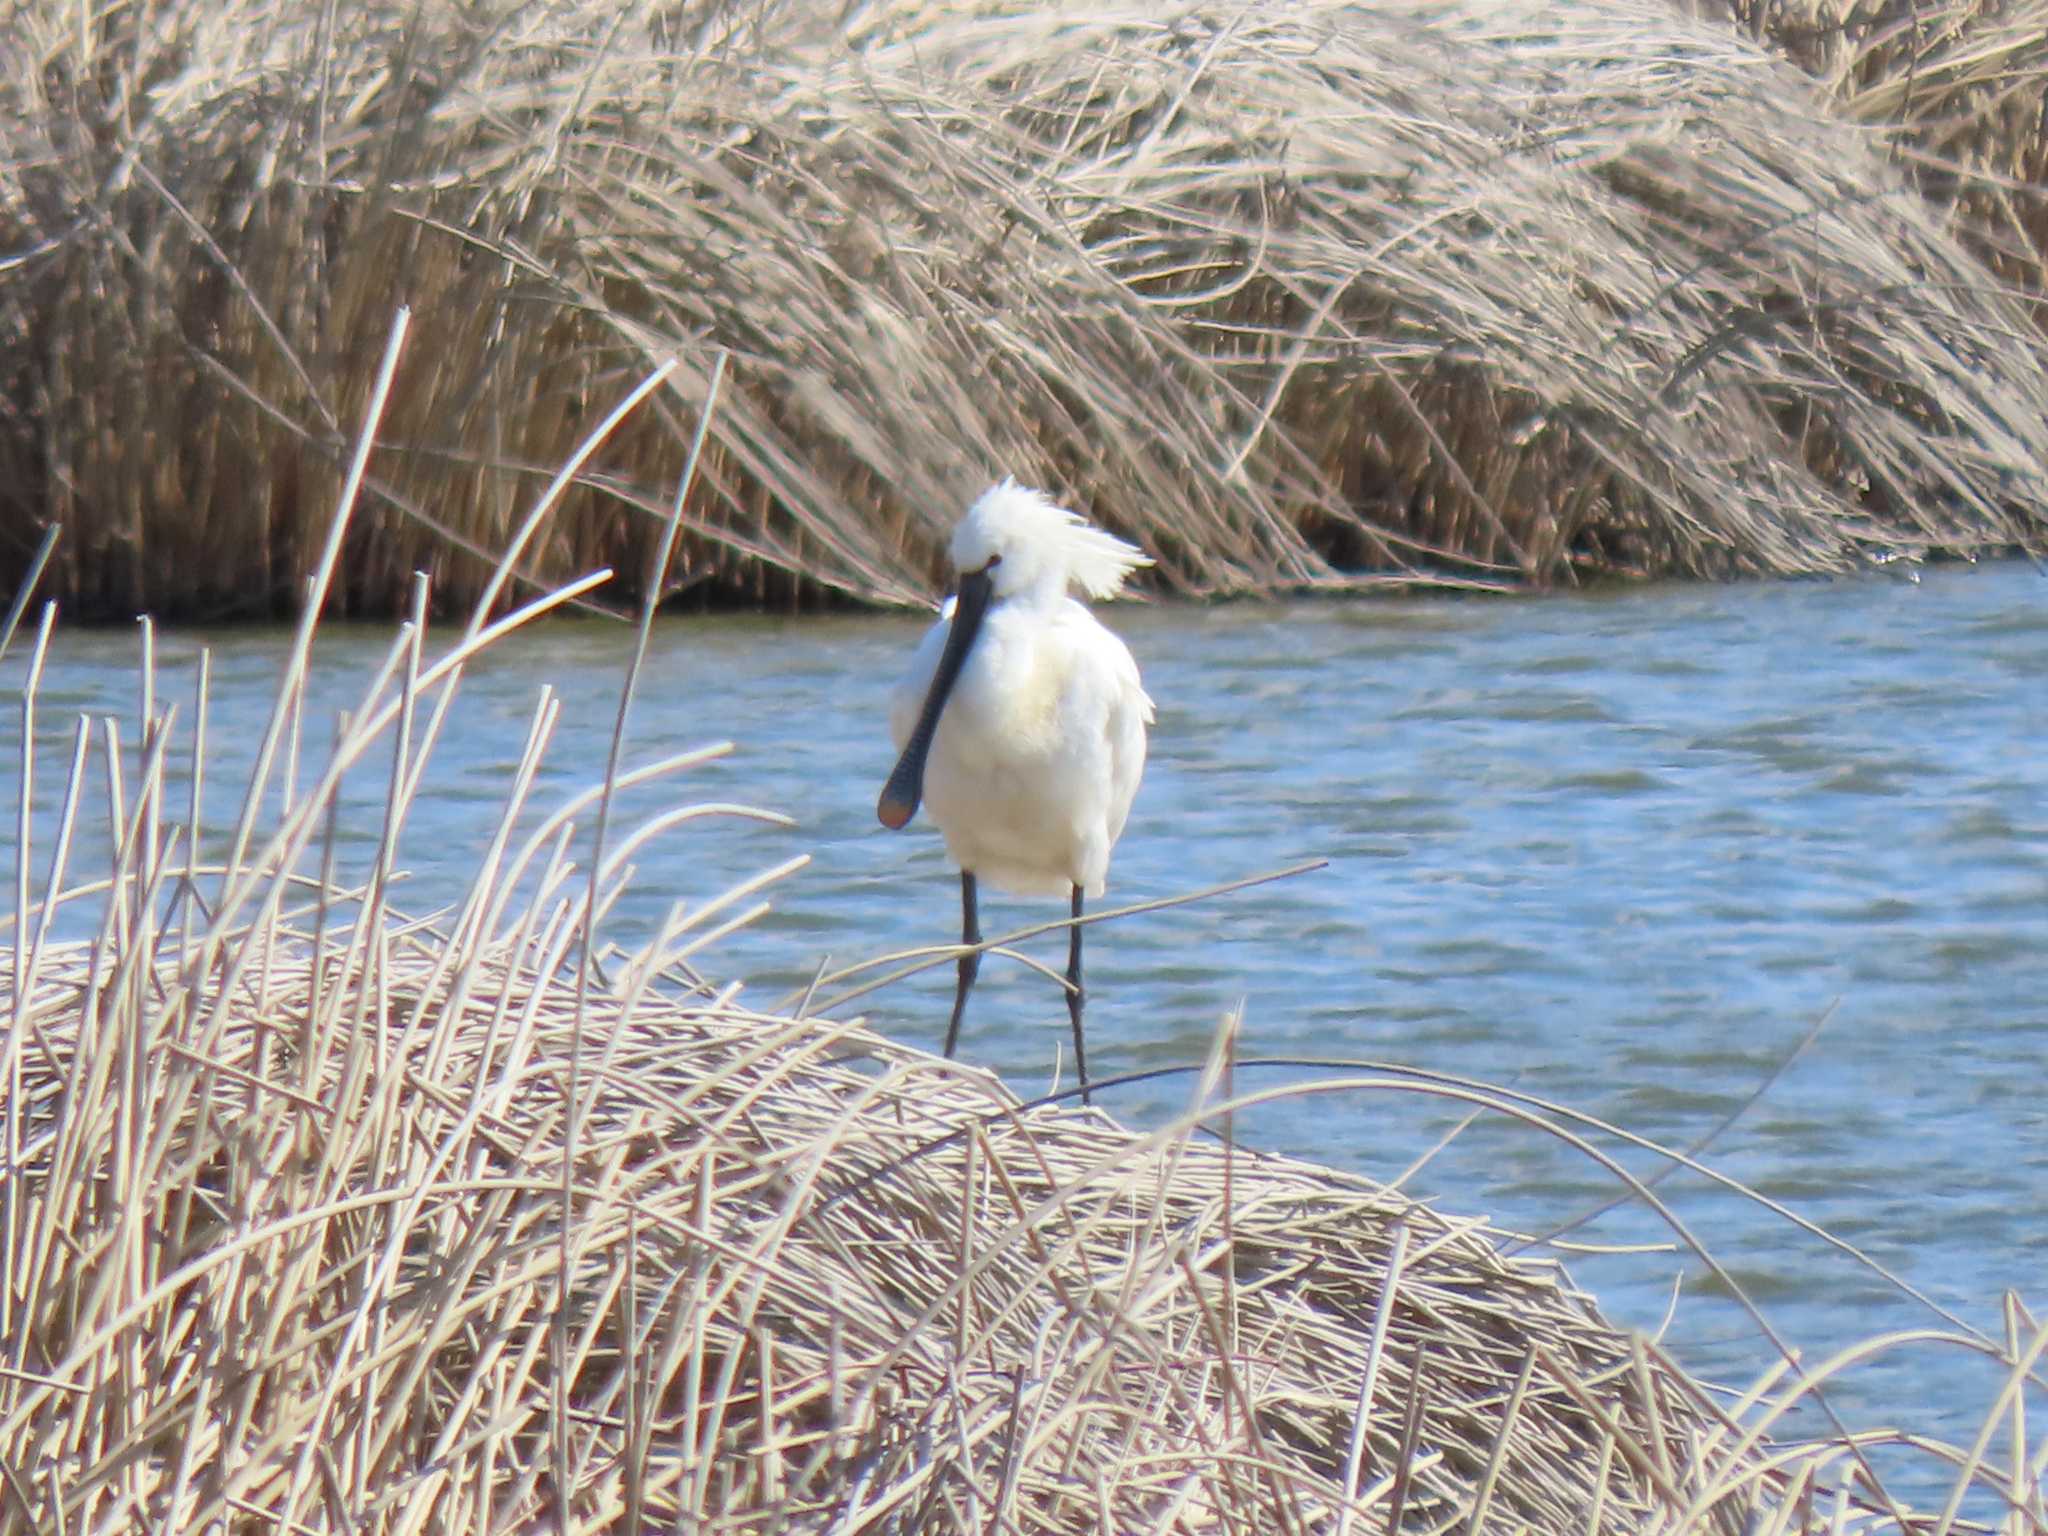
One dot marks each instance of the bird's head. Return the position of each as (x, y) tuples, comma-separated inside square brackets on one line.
[(1027, 543), (1013, 542)]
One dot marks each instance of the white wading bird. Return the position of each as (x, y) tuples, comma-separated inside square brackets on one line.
[(1021, 720)]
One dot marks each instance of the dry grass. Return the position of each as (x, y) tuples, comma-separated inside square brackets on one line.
[(318, 1219), (1298, 295), (1963, 92)]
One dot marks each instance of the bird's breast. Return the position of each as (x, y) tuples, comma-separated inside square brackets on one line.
[(1033, 765), (1008, 703)]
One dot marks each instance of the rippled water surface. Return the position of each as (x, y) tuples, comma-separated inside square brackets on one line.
[(1618, 852)]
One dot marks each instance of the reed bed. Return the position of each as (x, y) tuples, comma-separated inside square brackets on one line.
[(296, 1265), (320, 1218), (1962, 90), (1299, 296)]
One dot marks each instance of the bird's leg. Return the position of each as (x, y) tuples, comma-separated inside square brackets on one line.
[(1075, 995), (970, 961)]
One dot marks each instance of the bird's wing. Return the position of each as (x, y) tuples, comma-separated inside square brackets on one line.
[(1129, 714), (1124, 708)]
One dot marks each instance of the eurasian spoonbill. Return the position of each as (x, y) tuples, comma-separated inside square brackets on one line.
[(1021, 720)]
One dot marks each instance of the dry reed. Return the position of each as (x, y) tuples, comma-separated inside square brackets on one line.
[(320, 1219), (1304, 295), (1962, 90)]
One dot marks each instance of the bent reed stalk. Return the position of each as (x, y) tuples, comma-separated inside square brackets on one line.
[(325, 1219), (1298, 296)]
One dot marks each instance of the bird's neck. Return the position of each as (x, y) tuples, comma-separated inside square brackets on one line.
[(1041, 596)]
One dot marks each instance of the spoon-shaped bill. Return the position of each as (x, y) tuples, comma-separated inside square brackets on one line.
[(905, 788)]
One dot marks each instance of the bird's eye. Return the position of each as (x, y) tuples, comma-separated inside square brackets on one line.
[(993, 562)]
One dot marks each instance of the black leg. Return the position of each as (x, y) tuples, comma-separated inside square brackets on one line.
[(1075, 995), (970, 963)]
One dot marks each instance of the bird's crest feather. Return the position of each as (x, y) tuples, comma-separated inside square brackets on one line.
[(1014, 520)]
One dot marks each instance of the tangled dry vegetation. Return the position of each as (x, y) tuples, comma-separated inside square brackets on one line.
[(320, 1219), (1298, 295), (1959, 89)]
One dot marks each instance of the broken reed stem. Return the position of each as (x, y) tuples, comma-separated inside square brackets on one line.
[(1354, 1460), (315, 603), (26, 589)]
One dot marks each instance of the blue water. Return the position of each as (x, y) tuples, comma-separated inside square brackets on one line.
[(1621, 852)]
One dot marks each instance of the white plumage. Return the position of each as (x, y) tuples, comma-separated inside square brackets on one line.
[(1033, 735), (1039, 750)]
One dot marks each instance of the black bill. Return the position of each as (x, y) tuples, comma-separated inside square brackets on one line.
[(905, 788)]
